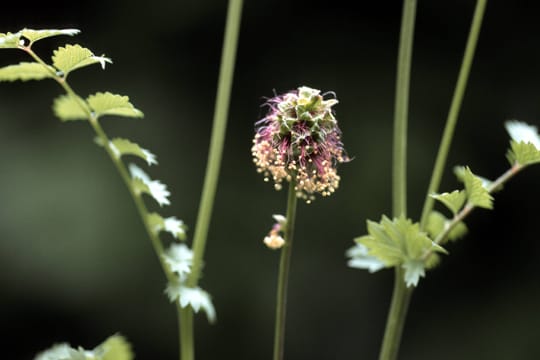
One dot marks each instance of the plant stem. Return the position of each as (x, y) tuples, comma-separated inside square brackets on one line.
[(399, 193), (401, 294), (217, 140), (283, 276), (453, 113)]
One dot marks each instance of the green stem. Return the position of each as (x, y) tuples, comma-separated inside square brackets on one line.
[(399, 194), (453, 113), (283, 276), (401, 294), (217, 140)]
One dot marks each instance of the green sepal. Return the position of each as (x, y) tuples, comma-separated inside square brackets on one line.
[(35, 35), (111, 104), (126, 147), (477, 194), (69, 108), (437, 223), (454, 201), (522, 153), (72, 57), (25, 71)]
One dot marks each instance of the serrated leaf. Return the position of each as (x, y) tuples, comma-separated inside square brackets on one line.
[(10, 40), (523, 153), (35, 35), (396, 241), (171, 225), (115, 347), (196, 298), (69, 108), (454, 201), (414, 270), (72, 57), (143, 184), (520, 131), (459, 171), (112, 104), (126, 147), (25, 71), (477, 194), (437, 223)]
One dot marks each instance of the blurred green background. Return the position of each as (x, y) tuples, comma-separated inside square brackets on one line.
[(76, 265)]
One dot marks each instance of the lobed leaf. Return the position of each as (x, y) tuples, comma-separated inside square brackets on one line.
[(143, 184), (477, 194), (454, 201), (112, 104), (72, 57), (414, 270), (171, 225), (25, 71), (69, 108), (196, 298), (126, 147), (523, 153), (35, 35)]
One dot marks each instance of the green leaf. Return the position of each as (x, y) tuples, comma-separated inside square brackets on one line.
[(112, 104), (72, 57), (414, 270), (35, 35), (397, 241), (125, 147), (477, 194), (437, 223), (453, 201), (68, 108), (115, 347), (25, 71), (10, 41), (523, 153)]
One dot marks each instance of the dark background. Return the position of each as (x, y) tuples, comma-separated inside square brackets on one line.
[(76, 266)]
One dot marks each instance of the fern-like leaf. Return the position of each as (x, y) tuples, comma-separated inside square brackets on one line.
[(72, 57), (67, 108), (112, 104), (25, 71)]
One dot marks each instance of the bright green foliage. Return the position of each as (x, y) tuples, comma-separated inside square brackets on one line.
[(437, 223), (25, 71), (68, 108), (453, 201), (399, 242), (477, 194), (72, 57), (115, 348), (112, 104), (10, 41), (126, 147), (523, 153), (35, 35)]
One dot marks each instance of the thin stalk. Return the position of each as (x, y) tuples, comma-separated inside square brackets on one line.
[(283, 276), (217, 140), (401, 294), (453, 113), (399, 193)]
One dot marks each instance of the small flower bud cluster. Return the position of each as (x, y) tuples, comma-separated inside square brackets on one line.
[(299, 140), (274, 240)]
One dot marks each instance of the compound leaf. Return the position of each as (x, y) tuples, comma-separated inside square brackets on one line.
[(25, 71), (112, 104), (68, 108)]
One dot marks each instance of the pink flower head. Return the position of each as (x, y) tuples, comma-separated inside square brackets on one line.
[(299, 140)]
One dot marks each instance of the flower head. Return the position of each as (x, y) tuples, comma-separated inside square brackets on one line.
[(299, 140)]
